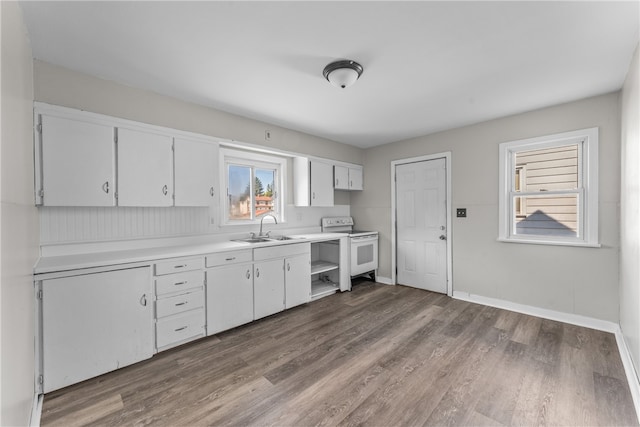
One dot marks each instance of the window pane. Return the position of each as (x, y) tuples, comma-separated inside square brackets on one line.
[(239, 192), (555, 215), (547, 170), (264, 191)]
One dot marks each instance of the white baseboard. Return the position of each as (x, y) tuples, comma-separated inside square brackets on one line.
[(36, 410), (573, 319), (630, 370), (384, 280)]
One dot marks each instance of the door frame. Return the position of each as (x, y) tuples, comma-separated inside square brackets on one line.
[(447, 158)]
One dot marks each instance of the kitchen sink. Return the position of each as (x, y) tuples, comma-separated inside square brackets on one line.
[(253, 240), (264, 239), (281, 238)]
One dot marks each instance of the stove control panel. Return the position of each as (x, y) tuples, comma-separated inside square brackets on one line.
[(337, 221)]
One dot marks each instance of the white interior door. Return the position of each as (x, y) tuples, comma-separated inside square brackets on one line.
[(421, 218)]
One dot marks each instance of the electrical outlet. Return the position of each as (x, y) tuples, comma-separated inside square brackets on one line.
[(461, 212)]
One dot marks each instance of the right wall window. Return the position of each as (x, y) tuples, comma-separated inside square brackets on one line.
[(549, 189)]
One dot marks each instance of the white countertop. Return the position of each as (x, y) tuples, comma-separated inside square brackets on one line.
[(50, 264)]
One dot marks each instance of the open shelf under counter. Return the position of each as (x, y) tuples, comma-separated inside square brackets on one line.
[(321, 266), (321, 289)]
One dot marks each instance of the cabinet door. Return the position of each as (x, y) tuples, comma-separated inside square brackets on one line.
[(297, 280), (229, 297), (196, 166), (355, 179), (340, 177), (321, 184), (268, 287), (145, 169), (95, 323), (78, 163)]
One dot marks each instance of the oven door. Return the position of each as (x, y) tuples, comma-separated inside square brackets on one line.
[(364, 254)]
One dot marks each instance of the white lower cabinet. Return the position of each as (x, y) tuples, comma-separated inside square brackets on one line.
[(268, 287), (297, 280), (229, 290), (93, 324), (180, 301), (96, 322), (282, 278)]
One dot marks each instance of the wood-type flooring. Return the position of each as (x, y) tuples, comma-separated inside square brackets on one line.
[(377, 356)]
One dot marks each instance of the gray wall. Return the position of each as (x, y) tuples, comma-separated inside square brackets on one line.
[(18, 220), (630, 212), (582, 281), (61, 86)]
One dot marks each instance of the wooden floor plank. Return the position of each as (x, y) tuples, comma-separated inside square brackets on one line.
[(379, 355)]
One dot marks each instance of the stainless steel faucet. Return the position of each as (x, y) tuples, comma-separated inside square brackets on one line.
[(263, 217)]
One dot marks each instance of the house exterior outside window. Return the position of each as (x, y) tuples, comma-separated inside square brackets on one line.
[(549, 189)]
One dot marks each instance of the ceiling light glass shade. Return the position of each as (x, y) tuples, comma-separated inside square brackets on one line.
[(342, 74)]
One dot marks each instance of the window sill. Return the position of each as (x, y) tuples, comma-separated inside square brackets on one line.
[(550, 243)]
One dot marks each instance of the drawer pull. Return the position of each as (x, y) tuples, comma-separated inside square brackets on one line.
[(248, 274), (143, 300), (180, 329), (257, 272), (230, 259), (180, 266), (181, 303), (180, 283)]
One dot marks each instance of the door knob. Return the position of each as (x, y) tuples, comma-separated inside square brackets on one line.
[(443, 237)]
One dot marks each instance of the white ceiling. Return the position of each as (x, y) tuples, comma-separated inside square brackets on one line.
[(428, 66)]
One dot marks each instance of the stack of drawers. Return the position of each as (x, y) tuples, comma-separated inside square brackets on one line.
[(180, 302)]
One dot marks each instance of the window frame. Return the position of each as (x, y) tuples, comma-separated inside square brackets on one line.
[(587, 191), (254, 161)]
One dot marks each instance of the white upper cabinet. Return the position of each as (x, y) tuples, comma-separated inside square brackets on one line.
[(312, 182), (341, 177), (145, 168), (347, 178), (321, 183), (195, 166), (355, 178), (78, 163)]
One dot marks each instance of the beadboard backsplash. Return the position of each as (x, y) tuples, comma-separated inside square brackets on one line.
[(84, 224)]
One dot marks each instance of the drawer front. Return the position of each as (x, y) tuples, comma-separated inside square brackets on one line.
[(179, 303), (281, 251), (180, 327), (234, 257), (179, 264), (180, 282)]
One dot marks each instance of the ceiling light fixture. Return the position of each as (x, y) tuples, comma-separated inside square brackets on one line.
[(342, 73)]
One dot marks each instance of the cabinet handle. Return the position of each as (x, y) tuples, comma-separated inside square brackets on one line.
[(288, 267), (105, 187), (230, 259), (350, 183), (257, 272), (165, 189), (337, 181), (180, 329), (143, 300), (212, 192), (248, 274), (180, 283), (314, 194), (180, 266), (181, 303)]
